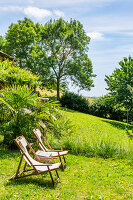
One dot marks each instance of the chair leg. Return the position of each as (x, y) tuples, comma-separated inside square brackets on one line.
[(25, 166), (58, 179), (51, 177), (64, 161), (57, 174), (61, 162), (17, 172)]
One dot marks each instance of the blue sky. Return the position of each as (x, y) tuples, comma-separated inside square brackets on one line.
[(109, 23)]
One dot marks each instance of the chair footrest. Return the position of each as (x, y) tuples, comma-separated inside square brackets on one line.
[(64, 165), (57, 181)]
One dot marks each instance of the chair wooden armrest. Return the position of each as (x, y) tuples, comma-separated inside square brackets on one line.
[(47, 158), (44, 165), (61, 148), (56, 150)]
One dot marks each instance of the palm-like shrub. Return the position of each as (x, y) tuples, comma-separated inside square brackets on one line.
[(17, 98), (21, 111), (19, 102)]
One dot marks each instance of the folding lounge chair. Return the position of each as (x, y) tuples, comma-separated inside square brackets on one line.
[(36, 166), (44, 152)]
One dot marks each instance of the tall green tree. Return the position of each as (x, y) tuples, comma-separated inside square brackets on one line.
[(20, 38), (23, 41), (120, 81), (66, 46)]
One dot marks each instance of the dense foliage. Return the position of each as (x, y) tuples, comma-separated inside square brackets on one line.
[(119, 84), (13, 75), (21, 41), (105, 107), (75, 102)]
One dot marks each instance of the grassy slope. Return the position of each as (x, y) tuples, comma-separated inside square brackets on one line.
[(93, 131), (84, 178)]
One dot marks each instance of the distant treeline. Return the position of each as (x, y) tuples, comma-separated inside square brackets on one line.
[(101, 106)]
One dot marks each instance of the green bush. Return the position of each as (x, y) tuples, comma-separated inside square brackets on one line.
[(74, 102), (13, 75), (106, 107), (16, 127), (5, 113)]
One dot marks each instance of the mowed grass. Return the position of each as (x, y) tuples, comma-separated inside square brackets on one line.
[(83, 178), (94, 136)]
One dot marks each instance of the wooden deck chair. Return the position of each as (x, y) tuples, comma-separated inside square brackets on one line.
[(44, 152), (36, 166)]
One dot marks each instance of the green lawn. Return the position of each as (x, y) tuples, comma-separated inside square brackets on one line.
[(93, 178), (83, 178)]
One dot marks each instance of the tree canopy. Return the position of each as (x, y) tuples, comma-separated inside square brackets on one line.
[(20, 40), (66, 46), (57, 51), (120, 82), (23, 41)]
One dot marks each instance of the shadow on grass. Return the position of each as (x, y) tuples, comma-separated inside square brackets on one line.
[(69, 110), (37, 181), (6, 153), (119, 125)]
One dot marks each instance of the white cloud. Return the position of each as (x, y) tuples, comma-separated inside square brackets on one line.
[(59, 13), (30, 11), (95, 35), (37, 12), (11, 8)]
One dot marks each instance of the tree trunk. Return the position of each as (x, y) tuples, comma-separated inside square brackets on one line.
[(58, 88)]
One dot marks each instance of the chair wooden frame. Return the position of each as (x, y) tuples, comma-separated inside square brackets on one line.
[(33, 170), (52, 149)]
